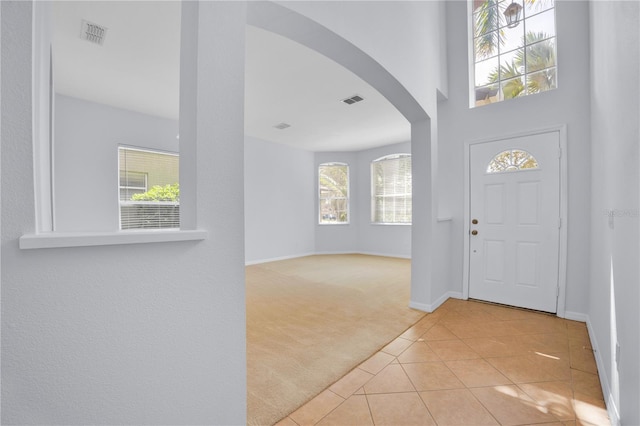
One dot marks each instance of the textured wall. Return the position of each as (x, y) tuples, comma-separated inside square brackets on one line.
[(139, 334)]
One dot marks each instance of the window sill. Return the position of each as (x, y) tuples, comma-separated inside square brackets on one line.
[(85, 239)]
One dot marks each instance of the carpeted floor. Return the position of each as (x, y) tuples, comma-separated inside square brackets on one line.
[(312, 319)]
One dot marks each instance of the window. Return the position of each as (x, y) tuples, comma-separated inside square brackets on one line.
[(512, 161), (132, 183), (149, 190), (333, 190), (515, 59), (391, 189)]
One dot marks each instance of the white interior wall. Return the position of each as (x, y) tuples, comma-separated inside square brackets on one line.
[(87, 136), (279, 201), (615, 187), (137, 334), (568, 104)]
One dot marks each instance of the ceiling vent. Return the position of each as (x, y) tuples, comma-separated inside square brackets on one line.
[(93, 33), (282, 126), (353, 99)]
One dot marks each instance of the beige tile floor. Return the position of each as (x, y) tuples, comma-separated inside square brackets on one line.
[(470, 363)]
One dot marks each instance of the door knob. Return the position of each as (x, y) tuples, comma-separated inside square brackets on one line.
[(474, 232)]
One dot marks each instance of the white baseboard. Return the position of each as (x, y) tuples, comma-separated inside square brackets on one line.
[(612, 409), (438, 302), (323, 253), (399, 256), (275, 259), (420, 306), (435, 305), (319, 253), (576, 316)]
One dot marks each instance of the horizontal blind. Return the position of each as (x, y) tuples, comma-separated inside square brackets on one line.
[(333, 190), (391, 188), (148, 188)]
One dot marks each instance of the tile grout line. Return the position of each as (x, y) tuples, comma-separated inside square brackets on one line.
[(366, 398), (334, 409), (471, 392)]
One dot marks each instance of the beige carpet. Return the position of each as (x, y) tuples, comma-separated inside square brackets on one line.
[(311, 320)]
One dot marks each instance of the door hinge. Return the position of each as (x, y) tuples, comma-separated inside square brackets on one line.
[(559, 152), (559, 222)]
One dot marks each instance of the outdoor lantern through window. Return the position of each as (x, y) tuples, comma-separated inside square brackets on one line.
[(512, 13)]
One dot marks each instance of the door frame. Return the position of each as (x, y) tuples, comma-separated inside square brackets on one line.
[(562, 244)]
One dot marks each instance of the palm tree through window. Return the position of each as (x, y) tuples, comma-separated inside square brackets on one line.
[(511, 61)]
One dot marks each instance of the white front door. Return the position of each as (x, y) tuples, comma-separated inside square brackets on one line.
[(515, 220)]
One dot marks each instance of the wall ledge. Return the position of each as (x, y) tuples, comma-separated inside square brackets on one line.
[(86, 239)]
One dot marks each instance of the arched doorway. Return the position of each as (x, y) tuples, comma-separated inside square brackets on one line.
[(290, 24), (294, 26)]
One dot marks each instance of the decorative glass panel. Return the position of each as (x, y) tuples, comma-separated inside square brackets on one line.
[(512, 161)]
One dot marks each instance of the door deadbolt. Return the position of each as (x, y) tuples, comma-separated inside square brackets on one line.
[(474, 232), (474, 221)]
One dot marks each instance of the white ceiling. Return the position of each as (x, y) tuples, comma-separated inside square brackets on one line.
[(137, 68)]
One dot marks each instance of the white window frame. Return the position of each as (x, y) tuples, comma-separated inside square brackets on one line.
[(389, 157), (322, 199), (150, 204), (472, 60)]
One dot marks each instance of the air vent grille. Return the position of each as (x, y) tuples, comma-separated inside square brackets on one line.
[(353, 99), (282, 126), (93, 33)]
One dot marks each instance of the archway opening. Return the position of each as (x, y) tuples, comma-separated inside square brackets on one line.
[(293, 26)]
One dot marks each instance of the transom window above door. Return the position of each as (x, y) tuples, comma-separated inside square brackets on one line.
[(513, 49), (511, 161)]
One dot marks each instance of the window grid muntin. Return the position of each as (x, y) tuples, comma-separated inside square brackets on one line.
[(497, 85)]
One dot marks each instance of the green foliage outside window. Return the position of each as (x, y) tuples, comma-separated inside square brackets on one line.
[(169, 192)]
